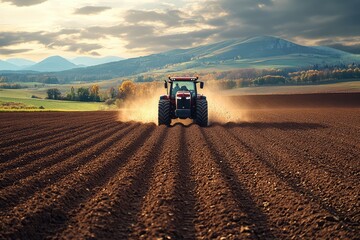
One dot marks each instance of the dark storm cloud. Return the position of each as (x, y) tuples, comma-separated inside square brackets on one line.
[(89, 10), (22, 3), (290, 18)]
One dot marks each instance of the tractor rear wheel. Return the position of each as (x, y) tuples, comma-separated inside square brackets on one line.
[(202, 112), (164, 113)]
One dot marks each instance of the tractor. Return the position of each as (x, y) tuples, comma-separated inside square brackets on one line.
[(183, 101)]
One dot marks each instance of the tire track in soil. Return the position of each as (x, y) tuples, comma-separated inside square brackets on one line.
[(315, 218), (17, 193), (315, 183), (112, 211), (219, 214), (52, 137), (36, 161), (167, 211), (61, 200)]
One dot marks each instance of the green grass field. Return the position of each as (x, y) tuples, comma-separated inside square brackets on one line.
[(24, 96)]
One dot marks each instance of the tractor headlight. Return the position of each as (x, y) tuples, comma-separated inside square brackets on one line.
[(187, 97), (178, 97)]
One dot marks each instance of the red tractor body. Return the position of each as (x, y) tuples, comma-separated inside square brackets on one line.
[(183, 101)]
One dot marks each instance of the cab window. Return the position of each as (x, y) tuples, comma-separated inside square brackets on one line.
[(182, 86)]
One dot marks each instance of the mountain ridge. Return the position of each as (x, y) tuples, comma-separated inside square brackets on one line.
[(255, 52), (51, 64)]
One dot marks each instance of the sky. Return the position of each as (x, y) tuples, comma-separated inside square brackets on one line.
[(36, 29)]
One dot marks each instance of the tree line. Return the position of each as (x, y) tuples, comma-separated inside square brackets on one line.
[(83, 94), (125, 91)]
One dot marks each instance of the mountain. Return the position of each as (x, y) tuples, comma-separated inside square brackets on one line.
[(8, 66), (52, 64), (91, 61), (256, 52), (20, 62)]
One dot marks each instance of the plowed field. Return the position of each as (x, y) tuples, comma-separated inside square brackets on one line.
[(284, 173)]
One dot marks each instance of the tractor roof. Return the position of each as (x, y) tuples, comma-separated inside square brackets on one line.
[(183, 78)]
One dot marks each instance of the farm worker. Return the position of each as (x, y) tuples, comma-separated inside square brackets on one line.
[(176, 88)]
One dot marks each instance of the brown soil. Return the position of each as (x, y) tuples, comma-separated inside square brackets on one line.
[(351, 99), (286, 173)]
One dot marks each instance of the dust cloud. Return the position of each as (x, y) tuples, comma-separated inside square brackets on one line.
[(142, 109), (145, 109), (223, 110)]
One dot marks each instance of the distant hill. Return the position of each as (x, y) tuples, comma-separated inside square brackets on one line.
[(8, 66), (52, 64), (20, 62), (257, 52), (92, 61)]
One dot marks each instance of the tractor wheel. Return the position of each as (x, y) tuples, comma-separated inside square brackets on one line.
[(164, 113), (202, 113)]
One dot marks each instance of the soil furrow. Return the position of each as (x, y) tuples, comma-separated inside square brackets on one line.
[(28, 220), (40, 132), (310, 179), (218, 211), (34, 162), (280, 189), (17, 193), (112, 211), (253, 219), (281, 174), (52, 138), (33, 155), (167, 211)]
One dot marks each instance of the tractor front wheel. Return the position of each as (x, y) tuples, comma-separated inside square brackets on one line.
[(202, 113), (164, 113)]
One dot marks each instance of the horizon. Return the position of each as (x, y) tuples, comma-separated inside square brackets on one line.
[(146, 27)]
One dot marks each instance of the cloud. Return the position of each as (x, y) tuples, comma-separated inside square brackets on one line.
[(61, 39), (4, 51), (169, 18), (199, 22), (13, 38), (159, 30), (90, 10), (289, 18), (82, 47), (22, 3)]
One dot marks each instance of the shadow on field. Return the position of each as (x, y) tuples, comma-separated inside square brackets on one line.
[(276, 125)]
